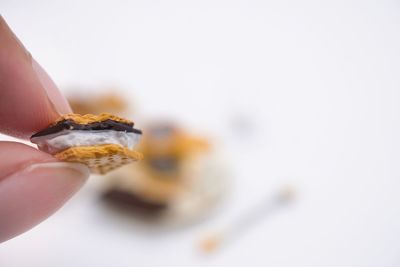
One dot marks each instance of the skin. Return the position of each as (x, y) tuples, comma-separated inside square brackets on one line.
[(33, 184)]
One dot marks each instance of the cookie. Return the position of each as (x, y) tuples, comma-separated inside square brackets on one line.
[(103, 142), (100, 159)]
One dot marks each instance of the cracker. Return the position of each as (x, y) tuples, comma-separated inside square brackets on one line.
[(90, 118), (101, 158)]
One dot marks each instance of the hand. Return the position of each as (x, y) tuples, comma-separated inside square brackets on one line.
[(33, 184)]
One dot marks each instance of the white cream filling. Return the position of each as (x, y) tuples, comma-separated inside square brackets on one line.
[(54, 143)]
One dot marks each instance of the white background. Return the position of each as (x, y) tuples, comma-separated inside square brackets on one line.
[(317, 83)]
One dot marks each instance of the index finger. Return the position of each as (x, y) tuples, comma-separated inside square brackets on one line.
[(29, 100)]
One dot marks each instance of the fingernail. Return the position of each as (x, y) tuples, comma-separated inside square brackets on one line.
[(31, 195), (11, 41), (60, 104), (80, 171), (33, 75), (60, 171), (12, 45)]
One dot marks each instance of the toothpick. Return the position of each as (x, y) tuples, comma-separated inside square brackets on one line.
[(247, 219)]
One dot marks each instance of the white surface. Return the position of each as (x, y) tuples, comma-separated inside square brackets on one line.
[(62, 140), (317, 82)]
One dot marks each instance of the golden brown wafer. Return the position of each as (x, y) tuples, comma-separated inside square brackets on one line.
[(90, 118), (101, 158)]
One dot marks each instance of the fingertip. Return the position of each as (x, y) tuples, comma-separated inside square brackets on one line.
[(33, 194), (60, 104), (29, 99)]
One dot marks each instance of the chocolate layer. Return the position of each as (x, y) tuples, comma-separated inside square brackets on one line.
[(133, 201), (95, 126)]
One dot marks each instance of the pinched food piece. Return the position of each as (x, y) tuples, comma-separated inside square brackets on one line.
[(100, 159), (102, 142)]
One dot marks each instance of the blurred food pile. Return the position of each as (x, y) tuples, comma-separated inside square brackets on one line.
[(105, 101), (180, 177)]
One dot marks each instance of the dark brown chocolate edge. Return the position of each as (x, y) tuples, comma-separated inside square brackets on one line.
[(94, 126), (121, 197)]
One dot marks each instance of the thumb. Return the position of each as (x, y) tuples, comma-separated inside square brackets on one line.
[(37, 186)]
